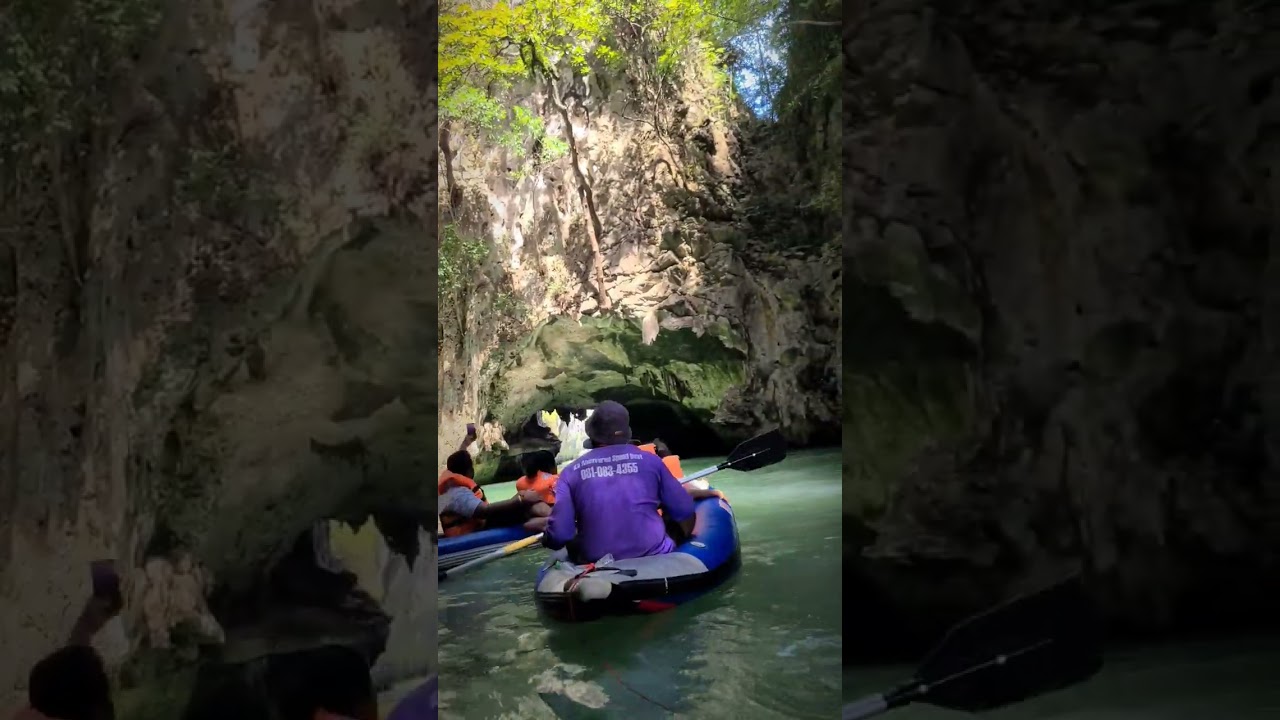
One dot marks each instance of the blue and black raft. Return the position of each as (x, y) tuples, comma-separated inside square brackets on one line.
[(575, 593), (455, 551), (711, 555), (706, 560)]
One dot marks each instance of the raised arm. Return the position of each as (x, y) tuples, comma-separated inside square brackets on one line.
[(467, 441)]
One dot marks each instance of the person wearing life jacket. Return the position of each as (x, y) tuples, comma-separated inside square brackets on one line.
[(540, 476), (463, 507), (671, 461), (699, 489)]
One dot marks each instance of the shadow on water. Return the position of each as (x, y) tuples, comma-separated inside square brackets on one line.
[(634, 647)]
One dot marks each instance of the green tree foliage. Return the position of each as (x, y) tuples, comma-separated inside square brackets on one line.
[(461, 259), (57, 58), (485, 49), (786, 52), (59, 64), (810, 39), (758, 68)]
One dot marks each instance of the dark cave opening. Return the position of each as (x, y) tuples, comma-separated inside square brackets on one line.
[(688, 433)]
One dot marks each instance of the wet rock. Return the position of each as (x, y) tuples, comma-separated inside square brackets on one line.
[(170, 595), (1075, 380), (205, 378), (677, 192)]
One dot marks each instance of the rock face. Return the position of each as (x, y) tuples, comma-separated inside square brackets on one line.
[(1061, 345), (711, 229), (238, 352), (574, 362)]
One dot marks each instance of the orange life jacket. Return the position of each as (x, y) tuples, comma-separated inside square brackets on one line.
[(453, 523), (671, 461), (544, 484), (673, 464)]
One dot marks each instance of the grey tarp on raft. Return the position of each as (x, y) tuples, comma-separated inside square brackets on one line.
[(652, 567)]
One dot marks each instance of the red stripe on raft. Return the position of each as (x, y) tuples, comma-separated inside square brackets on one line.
[(653, 606)]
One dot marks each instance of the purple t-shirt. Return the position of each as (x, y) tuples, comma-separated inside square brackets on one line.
[(610, 497)]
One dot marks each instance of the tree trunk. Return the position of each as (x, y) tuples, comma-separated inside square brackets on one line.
[(451, 184), (595, 230)]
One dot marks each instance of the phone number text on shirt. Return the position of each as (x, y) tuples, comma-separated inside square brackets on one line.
[(624, 468)]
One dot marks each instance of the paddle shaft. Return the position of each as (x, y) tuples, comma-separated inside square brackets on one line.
[(503, 551), (703, 473), (976, 665), (914, 691), (535, 539), (869, 706), (722, 466)]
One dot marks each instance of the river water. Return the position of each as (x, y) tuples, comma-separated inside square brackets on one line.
[(1220, 679), (766, 645)]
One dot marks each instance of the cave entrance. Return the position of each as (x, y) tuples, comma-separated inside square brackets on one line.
[(685, 432), (672, 386)]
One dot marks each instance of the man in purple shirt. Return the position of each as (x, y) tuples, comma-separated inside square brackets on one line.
[(608, 499)]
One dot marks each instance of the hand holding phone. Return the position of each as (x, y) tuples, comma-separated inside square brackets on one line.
[(106, 602), (105, 579), (471, 429)]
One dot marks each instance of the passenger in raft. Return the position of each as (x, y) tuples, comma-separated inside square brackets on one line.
[(698, 488), (607, 500), (71, 683), (462, 504), (659, 448), (540, 475)]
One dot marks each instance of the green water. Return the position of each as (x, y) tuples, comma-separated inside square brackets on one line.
[(1225, 679), (765, 645)]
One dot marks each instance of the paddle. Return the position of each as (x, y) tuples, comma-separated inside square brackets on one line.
[(753, 454), (1033, 644), (501, 552), (758, 452)]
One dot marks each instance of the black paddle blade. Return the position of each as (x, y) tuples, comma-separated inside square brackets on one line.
[(1033, 644), (758, 452)]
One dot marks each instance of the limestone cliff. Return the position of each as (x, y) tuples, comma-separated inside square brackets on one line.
[(721, 290), (213, 311), (1061, 333)]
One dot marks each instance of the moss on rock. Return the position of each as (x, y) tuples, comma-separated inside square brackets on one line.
[(908, 385), (581, 363)]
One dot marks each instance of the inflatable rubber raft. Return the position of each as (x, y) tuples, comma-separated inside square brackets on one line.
[(454, 551), (575, 593)]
